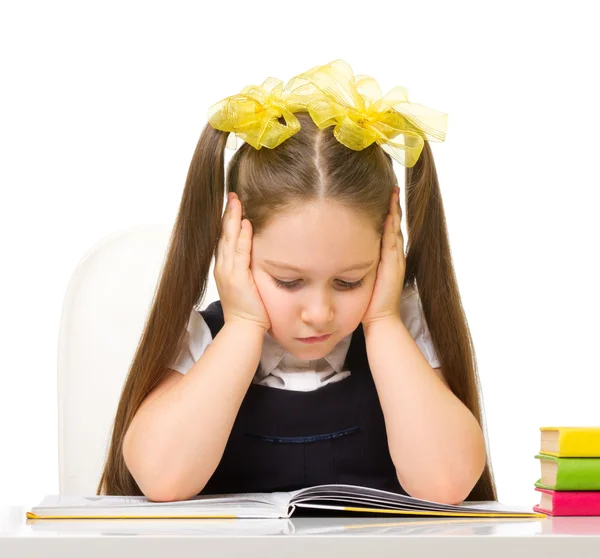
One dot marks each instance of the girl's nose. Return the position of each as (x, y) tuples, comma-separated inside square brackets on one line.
[(319, 314)]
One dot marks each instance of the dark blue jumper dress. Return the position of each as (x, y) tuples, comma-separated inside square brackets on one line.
[(284, 440)]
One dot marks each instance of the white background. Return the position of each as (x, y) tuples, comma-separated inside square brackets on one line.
[(101, 108)]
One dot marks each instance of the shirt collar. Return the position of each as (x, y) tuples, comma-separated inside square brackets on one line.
[(273, 353)]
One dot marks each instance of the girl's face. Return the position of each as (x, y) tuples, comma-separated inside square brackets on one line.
[(322, 240)]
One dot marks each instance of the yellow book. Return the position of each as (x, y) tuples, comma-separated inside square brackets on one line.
[(570, 441)]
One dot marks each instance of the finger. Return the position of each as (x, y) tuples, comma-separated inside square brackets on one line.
[(243, 249), (233, 227), (388, 243), (230, 233), (397, 210), (398, 206), (399, 235), (392, 201), (386, 239), (396, 214), (220, 240), (398, 230)]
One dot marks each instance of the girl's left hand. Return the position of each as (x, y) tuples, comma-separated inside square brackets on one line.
[(385, 300)]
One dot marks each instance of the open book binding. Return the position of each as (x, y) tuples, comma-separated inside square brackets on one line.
[(263, 505)]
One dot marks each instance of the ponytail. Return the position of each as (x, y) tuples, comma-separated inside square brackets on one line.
[(182, 285), (429, 265)]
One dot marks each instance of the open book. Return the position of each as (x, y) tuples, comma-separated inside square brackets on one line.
[(263, 505)]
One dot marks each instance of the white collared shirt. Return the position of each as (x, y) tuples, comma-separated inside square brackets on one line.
[(279, 369)]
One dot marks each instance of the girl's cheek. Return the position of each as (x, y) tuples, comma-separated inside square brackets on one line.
[(260, 279)]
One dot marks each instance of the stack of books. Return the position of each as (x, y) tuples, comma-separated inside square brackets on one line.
[(570, 463)]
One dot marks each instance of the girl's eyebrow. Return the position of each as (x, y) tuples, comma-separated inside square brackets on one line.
[(282, 265)]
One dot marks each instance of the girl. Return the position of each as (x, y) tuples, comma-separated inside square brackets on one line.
[(236, 398)]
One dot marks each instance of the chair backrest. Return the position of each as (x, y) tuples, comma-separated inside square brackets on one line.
[(104, 310)]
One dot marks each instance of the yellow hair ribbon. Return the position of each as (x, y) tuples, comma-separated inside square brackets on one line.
[(253, 114), (334, 96)]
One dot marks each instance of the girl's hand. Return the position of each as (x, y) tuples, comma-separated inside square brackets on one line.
[(385, 300), (239, 296)]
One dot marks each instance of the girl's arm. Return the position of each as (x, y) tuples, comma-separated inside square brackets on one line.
[(177, 438), (435, 442)]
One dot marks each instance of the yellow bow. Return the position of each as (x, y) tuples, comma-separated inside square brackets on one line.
[(253, 115), (334, 96)]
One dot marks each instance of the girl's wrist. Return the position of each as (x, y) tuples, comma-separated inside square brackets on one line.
[(382, 323), (246, 327)]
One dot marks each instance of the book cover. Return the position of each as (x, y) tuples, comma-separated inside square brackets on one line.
[(555, 502), (570, 441), (569, 473)]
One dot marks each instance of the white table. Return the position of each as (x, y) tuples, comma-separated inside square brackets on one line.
[(342, 537)]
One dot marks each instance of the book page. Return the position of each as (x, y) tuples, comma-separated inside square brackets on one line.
[(255, 504), (337, 495), (363, 492), (257, 498)]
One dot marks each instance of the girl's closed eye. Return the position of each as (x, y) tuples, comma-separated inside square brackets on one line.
[(345, 285)]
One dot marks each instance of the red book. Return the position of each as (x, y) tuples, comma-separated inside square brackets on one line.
[(568, 502)]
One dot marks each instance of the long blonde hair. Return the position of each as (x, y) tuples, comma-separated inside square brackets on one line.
[(311, 164)]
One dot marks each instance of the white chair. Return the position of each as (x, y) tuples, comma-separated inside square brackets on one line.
[(104, 310)]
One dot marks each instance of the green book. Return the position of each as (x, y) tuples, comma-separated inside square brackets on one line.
[(569, 473)]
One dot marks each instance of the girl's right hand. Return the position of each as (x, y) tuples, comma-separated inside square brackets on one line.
[(239, 296)]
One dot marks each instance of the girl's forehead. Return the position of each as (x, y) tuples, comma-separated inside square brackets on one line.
[(318, 238), (319, 220)]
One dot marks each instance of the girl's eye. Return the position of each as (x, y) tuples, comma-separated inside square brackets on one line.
[(292, 284)]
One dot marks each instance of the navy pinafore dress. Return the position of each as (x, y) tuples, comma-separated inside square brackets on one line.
[(283, 440)]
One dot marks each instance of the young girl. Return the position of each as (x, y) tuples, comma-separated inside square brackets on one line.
[(235, 398)]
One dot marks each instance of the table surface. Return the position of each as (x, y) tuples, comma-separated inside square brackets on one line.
[(319, 536)]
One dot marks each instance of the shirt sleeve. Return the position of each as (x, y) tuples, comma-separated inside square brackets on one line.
[(197, 338), (413, 318)]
